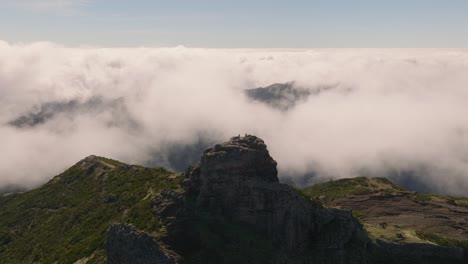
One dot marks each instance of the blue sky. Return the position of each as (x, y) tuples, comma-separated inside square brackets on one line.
[(238, 24)]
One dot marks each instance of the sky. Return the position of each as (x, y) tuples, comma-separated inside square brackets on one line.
[(238, 24)]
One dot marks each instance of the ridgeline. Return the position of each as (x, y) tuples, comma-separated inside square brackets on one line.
[(227, 208)]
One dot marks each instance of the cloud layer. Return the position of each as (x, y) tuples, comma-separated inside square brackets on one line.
[(403, 110)]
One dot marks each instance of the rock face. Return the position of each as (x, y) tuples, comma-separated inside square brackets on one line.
[(125, 244), (236, 182), (231, 208)]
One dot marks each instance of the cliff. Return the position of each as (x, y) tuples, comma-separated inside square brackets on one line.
[(236, 184)]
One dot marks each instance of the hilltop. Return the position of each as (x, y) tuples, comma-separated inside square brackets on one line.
[(391, 213), (66, 220)]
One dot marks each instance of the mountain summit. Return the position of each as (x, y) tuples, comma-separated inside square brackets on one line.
[(235, 187), (227, 208)]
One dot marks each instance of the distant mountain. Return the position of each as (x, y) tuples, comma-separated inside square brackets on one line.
[(227, 208), (119, 115), (284, 96), (281, 96), (11, 189)]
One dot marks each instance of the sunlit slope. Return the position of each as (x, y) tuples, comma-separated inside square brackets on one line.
[(393, 214), (66, 219)]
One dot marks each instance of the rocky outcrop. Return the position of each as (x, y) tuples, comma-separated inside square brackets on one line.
[(236, 182), (232, 209), (125, 244)]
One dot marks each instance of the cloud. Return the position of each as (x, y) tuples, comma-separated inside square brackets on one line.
[(403, 112)]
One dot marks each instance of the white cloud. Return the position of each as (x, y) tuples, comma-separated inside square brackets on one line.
[(407, 108)]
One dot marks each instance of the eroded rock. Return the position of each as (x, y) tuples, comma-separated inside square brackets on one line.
[(236, 182)]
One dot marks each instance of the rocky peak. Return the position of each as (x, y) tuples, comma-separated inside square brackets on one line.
[(244, 157), (232, 204), (226, 172), (236, 183)]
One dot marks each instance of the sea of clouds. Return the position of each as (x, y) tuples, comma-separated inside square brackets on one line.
[(392, 110)]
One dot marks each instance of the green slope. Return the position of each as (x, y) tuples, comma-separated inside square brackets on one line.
[(66, 219), (335, 189), (391, 213)]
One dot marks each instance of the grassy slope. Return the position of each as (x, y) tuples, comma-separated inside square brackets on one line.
[(66, 219), (331, 190), (337, 189)]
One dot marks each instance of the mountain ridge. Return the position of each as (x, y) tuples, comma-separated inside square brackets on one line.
[(66, 219), (228, 208)]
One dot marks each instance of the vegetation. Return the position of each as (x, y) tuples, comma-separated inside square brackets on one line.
[(442, 241), (392, 233), (459, 201), (308, 196), (422, 197), (336, 189), (66, 219), (358, 215)]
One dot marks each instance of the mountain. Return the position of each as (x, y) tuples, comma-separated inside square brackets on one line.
[(228, 208), (67, 219), (393, 214), (285, 96), (116, 110), (282, 96), (10, 188), (234, 210)]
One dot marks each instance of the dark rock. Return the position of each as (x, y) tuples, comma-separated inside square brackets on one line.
[(285, 96), (125, 244), (281, 96), (236, 182), (385, 252), (232, 209)]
